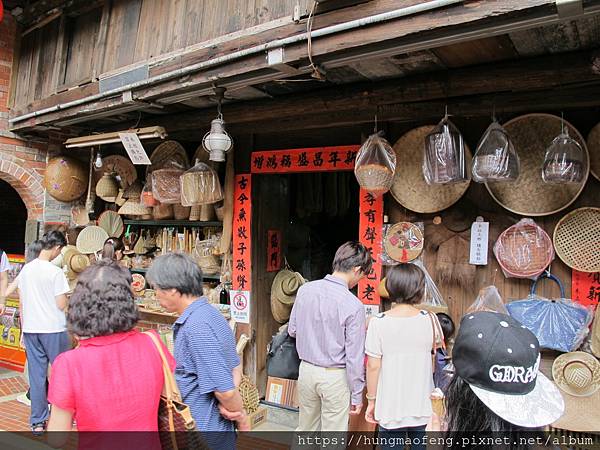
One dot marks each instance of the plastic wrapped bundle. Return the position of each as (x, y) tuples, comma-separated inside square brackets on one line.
[(375, 165), (489, 299), (200, 186), (147, 197), (524, 250), (444, 158), (166, 186), (565, 161), (495, 158), (559, 324)]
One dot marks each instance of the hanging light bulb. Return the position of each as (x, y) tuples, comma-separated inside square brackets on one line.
[(98, 161), (217, 141)]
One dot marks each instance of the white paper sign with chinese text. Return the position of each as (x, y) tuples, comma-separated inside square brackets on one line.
[(240, 306), (134, 148), (479, 243)]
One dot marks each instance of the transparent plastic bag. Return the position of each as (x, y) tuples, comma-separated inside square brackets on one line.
[(488, 299), (495, 158), (444, 157), (559, 324), (147, 197), (432, 300), (524, 250), (375, 165), (565, 161), (166, 187), (200, 186)]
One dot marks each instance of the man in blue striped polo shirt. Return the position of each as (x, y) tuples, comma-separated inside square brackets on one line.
[(208, 366)]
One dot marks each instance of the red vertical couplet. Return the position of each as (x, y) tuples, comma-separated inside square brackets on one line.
[(273, 250), (242, 239), (585, 288), (370, 229)]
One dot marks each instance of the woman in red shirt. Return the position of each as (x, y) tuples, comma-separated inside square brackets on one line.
[(113, 380)]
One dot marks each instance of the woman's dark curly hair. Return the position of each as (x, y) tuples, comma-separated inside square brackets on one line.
[(102, 302)]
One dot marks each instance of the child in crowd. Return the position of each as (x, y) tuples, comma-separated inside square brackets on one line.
[(442, 377)]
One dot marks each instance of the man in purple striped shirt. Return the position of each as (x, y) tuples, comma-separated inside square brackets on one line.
[(328, 322)]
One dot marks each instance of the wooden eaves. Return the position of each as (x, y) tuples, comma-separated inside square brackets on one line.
[(464, 21)]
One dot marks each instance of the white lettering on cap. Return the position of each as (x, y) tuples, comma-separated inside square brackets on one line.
[(514, 374)]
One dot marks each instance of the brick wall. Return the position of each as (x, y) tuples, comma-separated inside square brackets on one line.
[(22, 162)]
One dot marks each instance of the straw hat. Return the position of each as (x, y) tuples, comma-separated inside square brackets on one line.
[(409, 187), (528, 195), (133, 207), (75, 262), (91, 239), (283, 293), (593, 144), (577, 373)]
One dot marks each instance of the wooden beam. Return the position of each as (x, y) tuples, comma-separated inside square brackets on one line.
[(515, 76), (388, 36)]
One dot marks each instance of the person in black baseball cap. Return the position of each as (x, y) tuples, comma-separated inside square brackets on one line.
[(497, 385)]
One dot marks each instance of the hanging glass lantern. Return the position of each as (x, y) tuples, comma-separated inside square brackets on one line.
[(217, 142), (495, 158), (565, 161), (444, 158)]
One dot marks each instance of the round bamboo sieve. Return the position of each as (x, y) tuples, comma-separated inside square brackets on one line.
[(577, 239)]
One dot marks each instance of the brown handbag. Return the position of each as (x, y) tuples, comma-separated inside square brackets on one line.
[(176, 425)]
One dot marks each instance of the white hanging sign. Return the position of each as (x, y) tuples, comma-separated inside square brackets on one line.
[(134, 148), (371, 310), (240, 306), (479, 243)]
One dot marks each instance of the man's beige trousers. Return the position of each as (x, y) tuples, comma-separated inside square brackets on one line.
[(324, 399)]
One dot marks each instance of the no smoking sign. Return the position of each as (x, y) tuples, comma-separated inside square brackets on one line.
[(240, 306)]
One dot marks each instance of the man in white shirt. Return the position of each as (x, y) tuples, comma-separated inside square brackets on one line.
[(42, 288)]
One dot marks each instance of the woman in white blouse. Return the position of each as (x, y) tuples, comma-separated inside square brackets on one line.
[(399, 370)]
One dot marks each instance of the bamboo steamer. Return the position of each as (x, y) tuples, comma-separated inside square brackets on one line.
[(528, 195), (409, 187)]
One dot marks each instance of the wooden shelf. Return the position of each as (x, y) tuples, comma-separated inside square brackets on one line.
[(206, 276), (171, 223)]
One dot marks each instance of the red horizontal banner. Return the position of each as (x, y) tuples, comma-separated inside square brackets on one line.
[(319, 159)]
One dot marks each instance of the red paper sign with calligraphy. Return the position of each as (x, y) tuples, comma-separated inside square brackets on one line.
[(273, 250), (585, 288), (370, 229), (242, 246), (318, 159)]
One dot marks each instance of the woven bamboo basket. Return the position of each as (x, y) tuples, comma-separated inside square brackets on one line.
[(134, 190), (181, 212), (528, 195), (166, 186), (577, 239), (108, 188), (167, 153), (593, 145), (195, 212), (66, 179), (374, 178), (120, 165), (162, 212), (524, 250), (200, 188)]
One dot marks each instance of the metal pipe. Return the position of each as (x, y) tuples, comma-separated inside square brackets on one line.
[(358, 23)]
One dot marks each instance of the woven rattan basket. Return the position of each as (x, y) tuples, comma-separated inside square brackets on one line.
[(577, 239), (120, 165), (66, 178), (167, 153), (593, 145), (200, 188), (107, 188), (166, 187), (181, 212), (528, 195), (409, 187), (524, 242), (374, 178), (162, 212)]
